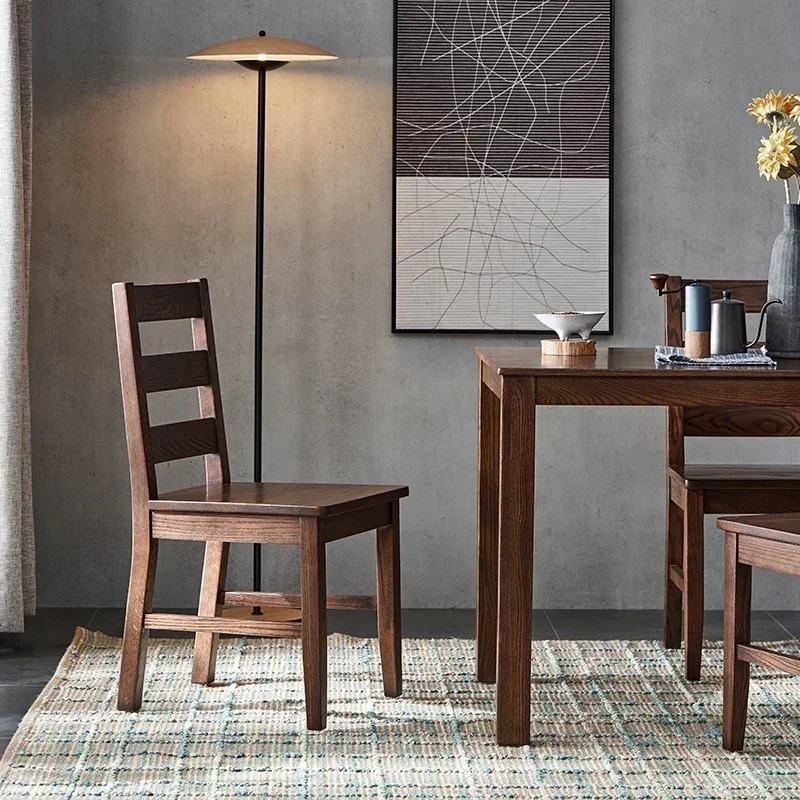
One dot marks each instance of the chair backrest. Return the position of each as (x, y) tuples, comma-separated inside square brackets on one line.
[(142, 375), (712, 421)]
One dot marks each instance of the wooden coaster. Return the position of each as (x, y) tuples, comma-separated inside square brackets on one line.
[(267, 614), (572, 347)]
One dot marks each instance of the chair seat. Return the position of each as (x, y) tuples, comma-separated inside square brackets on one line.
[(777, 527), (295, 499), (730, 475)]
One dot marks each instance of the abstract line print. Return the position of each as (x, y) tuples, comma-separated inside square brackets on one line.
[(502, 162)]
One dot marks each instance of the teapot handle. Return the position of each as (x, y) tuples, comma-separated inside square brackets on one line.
[(761, 319)]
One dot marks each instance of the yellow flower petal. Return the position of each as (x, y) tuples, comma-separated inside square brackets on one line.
[(776, 152), (774, 103)]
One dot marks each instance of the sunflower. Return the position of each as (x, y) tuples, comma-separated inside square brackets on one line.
[(775, 107), (777, 152), (795, 112)]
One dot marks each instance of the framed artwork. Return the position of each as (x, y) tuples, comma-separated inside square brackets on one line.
[(502, 163)]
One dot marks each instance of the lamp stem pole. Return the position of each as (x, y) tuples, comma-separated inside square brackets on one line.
[(259, 312)]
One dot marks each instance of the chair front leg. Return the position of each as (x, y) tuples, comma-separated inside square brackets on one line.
[(140, 602), (389, 614), (313, 600), (736, 674), (215, 567), (693, 578)]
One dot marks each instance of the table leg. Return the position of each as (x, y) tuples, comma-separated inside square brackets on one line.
[(488, 507), (515, 591)]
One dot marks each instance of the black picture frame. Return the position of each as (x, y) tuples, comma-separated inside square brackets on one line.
[(514, 331)]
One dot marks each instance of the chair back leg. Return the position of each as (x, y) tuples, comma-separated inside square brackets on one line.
[(389, 627), (693, 583), (736, 672), (140, 602), (313, 599), (215, 567)]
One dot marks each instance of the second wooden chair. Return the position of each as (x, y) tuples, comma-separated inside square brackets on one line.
[(696, 490)]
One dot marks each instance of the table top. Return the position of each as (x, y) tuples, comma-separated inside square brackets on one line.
[(617, 361)]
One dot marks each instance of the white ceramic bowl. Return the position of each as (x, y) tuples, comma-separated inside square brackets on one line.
[(565, 324)]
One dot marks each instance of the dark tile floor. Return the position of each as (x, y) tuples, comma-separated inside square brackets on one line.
[(36, 653)]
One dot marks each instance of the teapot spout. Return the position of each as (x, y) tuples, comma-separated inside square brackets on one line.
[(762, 317)]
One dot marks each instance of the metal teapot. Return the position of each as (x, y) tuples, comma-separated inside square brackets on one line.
[(728, 325)]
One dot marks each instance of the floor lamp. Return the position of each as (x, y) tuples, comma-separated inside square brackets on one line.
[(260, 53)]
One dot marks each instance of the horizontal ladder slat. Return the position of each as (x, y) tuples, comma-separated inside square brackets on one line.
[(238, 627), (741, 421), (167, 371), (176, 440), (768, 658), (347, 602), (251, 528), (168, 301), (752, 293)]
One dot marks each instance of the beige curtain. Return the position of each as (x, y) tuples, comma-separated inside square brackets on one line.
[(17, 573)]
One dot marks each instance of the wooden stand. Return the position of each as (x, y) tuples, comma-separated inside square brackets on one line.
[(572, 347)]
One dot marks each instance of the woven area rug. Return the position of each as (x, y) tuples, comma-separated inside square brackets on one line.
[(610, 720)]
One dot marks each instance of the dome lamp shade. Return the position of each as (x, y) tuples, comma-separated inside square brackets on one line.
[(262, 52)]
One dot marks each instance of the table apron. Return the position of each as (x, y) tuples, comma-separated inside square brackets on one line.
[(667, 391)]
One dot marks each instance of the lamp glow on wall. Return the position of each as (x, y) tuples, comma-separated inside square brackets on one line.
[(262, 54)]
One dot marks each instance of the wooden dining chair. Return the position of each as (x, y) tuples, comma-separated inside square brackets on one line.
[(770, 541), (696, 490), (220, 512)]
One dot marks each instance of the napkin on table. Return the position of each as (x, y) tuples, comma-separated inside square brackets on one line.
[(676, 355)]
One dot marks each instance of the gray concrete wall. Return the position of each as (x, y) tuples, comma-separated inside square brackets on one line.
[(144, 171)]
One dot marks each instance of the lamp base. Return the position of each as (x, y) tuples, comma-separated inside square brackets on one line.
[(267, 614)]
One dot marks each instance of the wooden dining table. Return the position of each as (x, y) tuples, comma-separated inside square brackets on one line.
[(513, 382)]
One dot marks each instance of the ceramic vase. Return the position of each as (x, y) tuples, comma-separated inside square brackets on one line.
[(783, 321)]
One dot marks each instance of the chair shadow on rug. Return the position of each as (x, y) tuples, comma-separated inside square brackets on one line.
[(220, 512)]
